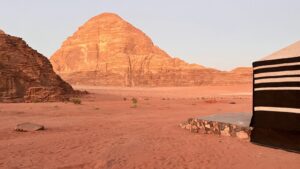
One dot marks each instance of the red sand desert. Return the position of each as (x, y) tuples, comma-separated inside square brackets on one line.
[(105, 132), (108, 131)]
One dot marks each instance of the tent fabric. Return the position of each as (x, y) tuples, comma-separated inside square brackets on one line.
[(287, 52), (284, 139), (276, 102)]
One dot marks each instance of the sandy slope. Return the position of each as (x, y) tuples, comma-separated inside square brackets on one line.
[(104, 132)]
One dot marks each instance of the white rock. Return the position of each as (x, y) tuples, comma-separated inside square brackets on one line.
[(242, 135), (29, 127)]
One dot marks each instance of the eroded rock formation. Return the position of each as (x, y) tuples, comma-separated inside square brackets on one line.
[(26, 75), (107, 50)]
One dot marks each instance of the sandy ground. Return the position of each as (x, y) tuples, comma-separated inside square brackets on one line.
[(105, 132)]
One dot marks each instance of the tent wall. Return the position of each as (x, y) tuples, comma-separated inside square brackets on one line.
[(276, 103)]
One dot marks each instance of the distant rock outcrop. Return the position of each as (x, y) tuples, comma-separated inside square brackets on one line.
[(26, 75), (109, 51)]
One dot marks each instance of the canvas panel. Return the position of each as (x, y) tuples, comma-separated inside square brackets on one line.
[(276, 120), (277, 138), (274, 98)]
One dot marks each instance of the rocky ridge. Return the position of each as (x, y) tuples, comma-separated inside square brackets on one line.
[(26, 75)]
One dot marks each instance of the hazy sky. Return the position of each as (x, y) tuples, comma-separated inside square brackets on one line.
[(215, 33)]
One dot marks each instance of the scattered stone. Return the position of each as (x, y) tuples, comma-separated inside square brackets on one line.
[(242, 135), (182, 125), (25, 127), (196, 125), (188, 126), (225, 131)]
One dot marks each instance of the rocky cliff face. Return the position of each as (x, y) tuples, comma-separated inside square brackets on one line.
[(107, 50), (26, 75)]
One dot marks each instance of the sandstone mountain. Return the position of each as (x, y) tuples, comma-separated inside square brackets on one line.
[(107, 50), (26, 75)]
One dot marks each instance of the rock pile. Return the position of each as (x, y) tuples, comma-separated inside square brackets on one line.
[(196, 125)]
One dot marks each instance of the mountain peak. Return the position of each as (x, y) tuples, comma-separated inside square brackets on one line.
[(107, 50), (107, 16)]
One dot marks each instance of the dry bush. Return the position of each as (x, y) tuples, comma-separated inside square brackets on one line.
[(76, 100), (134, 102)]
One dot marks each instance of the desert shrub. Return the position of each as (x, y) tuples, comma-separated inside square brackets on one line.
[(210, 100), (124, 98), (134, 102), (76, 100)]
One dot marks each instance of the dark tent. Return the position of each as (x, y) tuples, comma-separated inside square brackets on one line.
[(276, 99)]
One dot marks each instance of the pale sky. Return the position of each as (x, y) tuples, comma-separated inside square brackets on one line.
[(215, 33)]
